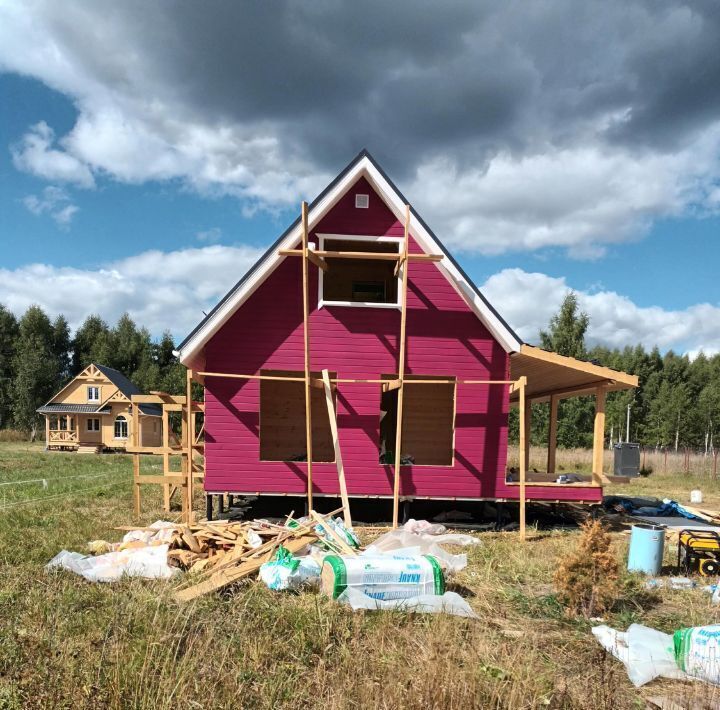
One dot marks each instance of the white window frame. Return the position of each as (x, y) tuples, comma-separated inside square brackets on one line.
[(127, 427), (93, 421), (91, 388), (356, 238)]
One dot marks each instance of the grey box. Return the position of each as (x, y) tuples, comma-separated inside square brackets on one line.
[(627, 459)]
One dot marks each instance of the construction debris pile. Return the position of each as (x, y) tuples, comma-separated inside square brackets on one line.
[(403, 568)]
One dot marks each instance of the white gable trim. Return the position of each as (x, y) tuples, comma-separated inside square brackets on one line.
[(364, 167)]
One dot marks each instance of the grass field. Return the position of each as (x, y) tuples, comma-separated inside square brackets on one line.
[(67, 643)]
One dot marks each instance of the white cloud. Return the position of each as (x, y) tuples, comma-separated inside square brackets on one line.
[(160, 290), (54, 201), (35, 154), (527, 301), (580, 198)]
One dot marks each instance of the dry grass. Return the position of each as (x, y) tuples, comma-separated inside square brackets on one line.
[(68, 643)]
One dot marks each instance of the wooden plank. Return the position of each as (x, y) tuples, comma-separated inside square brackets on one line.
[(179, 479), (306, 344), (527, 416), (344, 547), (332, 417), (521, 450), (167, 493), (599, 436), (154, 399), (552, 434), (370, 255), (188, 443), (401, 371), (318, 261)]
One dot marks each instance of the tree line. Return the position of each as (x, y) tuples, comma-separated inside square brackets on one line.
[(38, 357), (676, 405)]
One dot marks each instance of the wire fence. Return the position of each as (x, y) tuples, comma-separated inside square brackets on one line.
[(67, 494)]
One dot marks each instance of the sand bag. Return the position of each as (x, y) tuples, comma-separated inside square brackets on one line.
[(697, 652), (383, 577)]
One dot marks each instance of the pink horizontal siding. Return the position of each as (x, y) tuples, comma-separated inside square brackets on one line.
[(443, 338)]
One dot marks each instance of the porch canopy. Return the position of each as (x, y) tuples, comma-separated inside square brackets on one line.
[(550, 378)]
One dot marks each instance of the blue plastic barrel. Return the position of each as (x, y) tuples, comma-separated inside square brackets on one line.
[(647, 543)]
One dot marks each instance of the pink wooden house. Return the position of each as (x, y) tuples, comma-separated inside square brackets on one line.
[(454, 436)]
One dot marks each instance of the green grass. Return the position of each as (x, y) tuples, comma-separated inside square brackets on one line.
[(67, 643)]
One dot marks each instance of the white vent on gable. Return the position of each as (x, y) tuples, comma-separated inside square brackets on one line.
[(362, 201)]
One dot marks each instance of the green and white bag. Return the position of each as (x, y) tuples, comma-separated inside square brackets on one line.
[(382, 577), (697, 652)]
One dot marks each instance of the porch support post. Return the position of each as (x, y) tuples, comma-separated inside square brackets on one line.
[(552, 434), (47, 431), (523, 437), (598, 436), (526, 412)]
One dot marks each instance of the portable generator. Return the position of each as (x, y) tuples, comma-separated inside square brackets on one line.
[(699, 551)]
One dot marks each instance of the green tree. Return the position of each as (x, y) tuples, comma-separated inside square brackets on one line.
[(90, 344), (566, 333), (36, 368), (8, 337)]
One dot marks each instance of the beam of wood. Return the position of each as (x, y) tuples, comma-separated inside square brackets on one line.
[(136, 458), (565, 392), (188, 443), (179, 479), (552, 434), (521, 450), (526, 414), (306, 343), (233, 375), (332, 418), (401, 372), (154, 399), (167, 493), (368, 255), (317, 260), (599, 436)]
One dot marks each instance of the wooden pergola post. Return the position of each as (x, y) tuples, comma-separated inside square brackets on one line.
[(403, 263), (524, 436), (552, 434), (599, 436), (306, 342), (167, 488), (526, 413)]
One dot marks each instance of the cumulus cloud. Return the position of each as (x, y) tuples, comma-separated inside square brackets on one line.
[(35, 154), (160, 290), (574, 128), (527, 301), (54, 201)]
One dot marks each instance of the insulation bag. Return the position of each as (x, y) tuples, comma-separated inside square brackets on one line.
[(384, 577), (697, 652)]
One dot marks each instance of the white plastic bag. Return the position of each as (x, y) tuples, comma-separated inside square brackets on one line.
[(645, 652), (148, 562), (448, 603), (286, 571), (424, 544)]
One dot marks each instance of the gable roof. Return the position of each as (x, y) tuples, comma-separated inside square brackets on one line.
[(115, 377), (128, 388), (363, 165)]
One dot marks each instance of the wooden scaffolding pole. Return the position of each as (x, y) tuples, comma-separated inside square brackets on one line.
[(306, 339), (188, 443), (401, 367), (167, 488), (136, 457), (522, 382), (332, 418)]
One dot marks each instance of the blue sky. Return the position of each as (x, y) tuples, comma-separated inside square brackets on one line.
[(116, 174)]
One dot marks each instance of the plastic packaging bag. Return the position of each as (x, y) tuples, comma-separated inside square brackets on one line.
[(697, 652), (147, 562), (645, 652), (424, 544), (285, 571), (448, 603)]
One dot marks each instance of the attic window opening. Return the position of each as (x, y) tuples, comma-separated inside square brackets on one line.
[(282, 419), (428, 433), (362, 201), (360, 282)]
